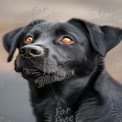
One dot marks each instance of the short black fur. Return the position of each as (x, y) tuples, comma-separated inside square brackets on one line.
[(68, 81)]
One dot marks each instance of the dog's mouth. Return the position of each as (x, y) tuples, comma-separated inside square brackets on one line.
[(43, 74), (42, 78), (32, 73)]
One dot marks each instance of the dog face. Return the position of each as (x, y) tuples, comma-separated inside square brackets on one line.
[(58, 51)]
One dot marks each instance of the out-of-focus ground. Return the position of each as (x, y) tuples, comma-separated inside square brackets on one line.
[(14, 93)]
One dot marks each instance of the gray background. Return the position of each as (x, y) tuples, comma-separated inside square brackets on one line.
[(14, 92)]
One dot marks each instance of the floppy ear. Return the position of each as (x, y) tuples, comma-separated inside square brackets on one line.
[(103, 38), (11, 41)]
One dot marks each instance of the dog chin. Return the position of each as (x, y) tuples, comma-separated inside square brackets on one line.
[(41, 79), (49, 79)]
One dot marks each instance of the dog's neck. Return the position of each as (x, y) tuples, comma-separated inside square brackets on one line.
[(57, 96), (59, 88)]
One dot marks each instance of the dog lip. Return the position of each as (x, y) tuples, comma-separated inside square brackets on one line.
[(17, 69), (27, 71), (34, 71)]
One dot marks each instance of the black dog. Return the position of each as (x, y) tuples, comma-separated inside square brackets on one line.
[(63, 63)]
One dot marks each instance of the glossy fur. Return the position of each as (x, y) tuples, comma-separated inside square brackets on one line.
[(68, 82)]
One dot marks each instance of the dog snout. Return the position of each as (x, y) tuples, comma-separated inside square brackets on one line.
[(31, 51)]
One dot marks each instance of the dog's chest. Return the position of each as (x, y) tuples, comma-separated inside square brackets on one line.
[(60, 114), (54, 112)]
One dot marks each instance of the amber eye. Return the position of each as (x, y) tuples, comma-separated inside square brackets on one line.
[(66, 40), (29, 40)]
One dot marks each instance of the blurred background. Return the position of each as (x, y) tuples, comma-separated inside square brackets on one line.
[(14, 92)]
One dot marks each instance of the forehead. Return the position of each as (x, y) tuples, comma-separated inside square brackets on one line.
[(54, 28)]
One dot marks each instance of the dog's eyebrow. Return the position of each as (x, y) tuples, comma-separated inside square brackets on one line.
[(60, 31)]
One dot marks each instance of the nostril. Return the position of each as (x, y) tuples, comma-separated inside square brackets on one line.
[(22, 51), (35, 52)]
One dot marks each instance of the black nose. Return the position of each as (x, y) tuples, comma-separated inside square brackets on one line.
[(31, 51)]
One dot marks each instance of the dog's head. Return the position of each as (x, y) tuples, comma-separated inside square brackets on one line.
[(59, 51)]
